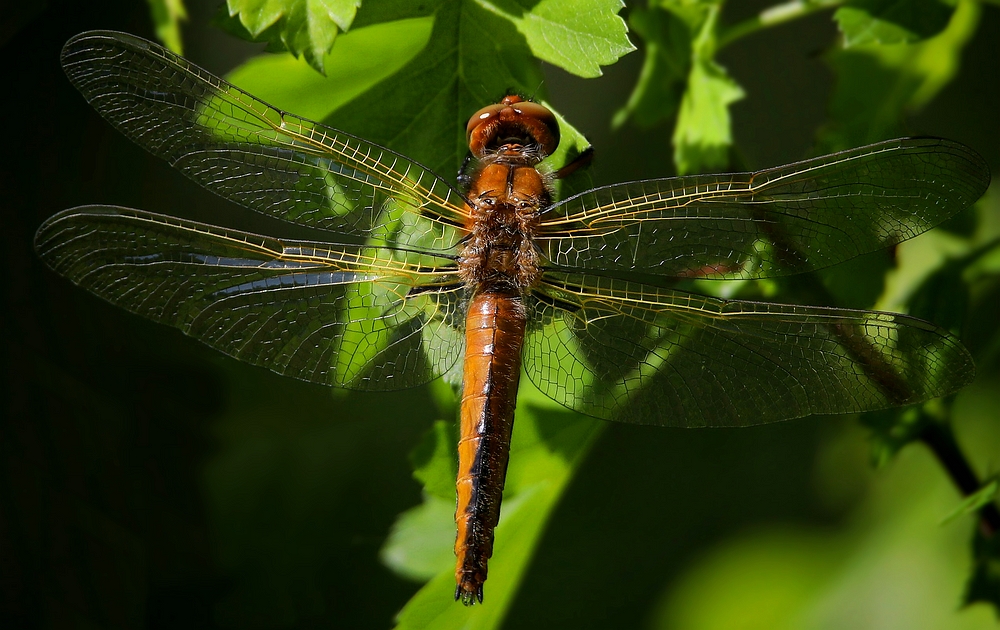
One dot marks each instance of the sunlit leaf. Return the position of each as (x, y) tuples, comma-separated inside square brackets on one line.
[(362, 58), (305, 28), (421, 543), (579, 37), (473, 57), (703, 133), (404, 56), (681, 55)]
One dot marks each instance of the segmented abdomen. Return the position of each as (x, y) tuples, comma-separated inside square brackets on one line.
[(494, 335)]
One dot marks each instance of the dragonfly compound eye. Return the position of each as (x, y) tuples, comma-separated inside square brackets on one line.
[(513, 119)]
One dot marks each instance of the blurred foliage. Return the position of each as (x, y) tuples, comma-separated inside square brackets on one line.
[(167, 17), (892, 60), (681, 75), (890, 21), (878, 82), (878, 86), (888, 566)]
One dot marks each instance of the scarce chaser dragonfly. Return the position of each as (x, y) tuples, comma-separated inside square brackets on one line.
[(494, 272)]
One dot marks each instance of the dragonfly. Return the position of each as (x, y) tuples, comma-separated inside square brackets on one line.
[(413, 277)]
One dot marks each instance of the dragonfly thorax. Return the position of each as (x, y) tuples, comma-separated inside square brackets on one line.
[(503, 208)]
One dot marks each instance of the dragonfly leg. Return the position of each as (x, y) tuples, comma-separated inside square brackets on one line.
[(582, 160)]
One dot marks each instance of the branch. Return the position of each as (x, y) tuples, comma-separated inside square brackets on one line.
[(930, 428), (939, 437)]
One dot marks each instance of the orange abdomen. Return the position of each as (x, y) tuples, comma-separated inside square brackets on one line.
[(494, 335)]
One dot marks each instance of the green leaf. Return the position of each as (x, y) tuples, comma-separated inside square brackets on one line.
[(400, 60), (703, 134), (681, 37), (167, 17), (420, 544), (578, 36), (548, 445), (362, 58), (877, 86), (667, 63), (891, 21), (571, 144), (435, 462), (971, 504), (674, 33), (305, 28), (473, 57)]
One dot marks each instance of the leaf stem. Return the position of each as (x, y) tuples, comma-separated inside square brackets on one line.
[(939, 437), (772, 16)]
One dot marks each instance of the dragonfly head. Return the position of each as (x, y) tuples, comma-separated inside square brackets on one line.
[(513, 128)]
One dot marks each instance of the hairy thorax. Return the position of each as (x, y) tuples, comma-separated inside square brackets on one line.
[(504, 198)]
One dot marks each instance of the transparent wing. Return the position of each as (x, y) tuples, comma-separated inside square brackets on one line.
[(347, 315), (258, 156), (635, 353), (778, 221)]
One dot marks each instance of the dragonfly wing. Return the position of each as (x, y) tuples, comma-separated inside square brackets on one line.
[(354, 316), (256, 155), (778, 221), (636, 353)]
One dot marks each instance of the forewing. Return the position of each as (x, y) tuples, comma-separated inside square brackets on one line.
[(635, 353), (347, 315), (779, 221), (256, 155)]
